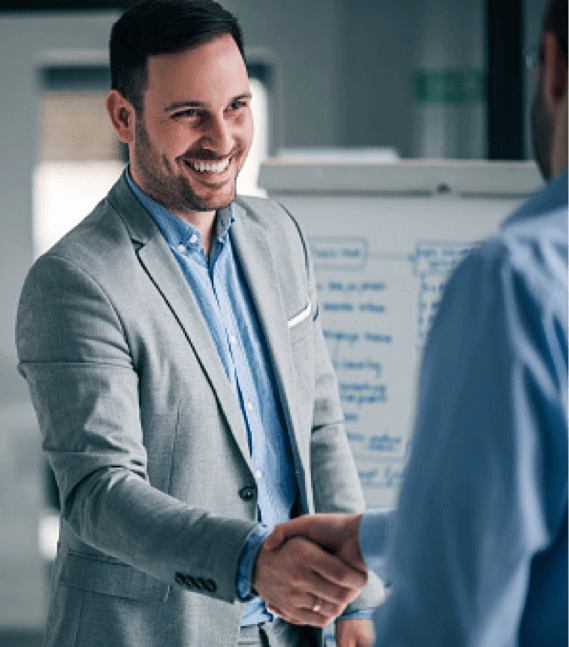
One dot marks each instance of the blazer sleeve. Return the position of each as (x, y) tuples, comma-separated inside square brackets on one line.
[(75, 357)]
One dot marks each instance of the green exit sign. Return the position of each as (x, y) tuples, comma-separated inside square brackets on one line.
[(450, 86)]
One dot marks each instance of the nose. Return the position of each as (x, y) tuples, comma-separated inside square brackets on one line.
[(218, 136)]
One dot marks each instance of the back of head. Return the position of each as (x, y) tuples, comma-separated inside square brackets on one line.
[(152, 27), (555, 20)]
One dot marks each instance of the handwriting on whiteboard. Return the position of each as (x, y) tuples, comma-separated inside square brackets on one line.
[(373, 306)]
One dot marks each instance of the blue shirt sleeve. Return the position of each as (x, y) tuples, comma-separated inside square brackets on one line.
[(375, 536), (362, 614), (248, 555)]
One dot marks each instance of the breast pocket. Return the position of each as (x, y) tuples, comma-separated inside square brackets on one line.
[(301, 316), (301, 330)]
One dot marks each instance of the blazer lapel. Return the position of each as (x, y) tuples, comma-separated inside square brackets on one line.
[(160, 264), (255, 257)]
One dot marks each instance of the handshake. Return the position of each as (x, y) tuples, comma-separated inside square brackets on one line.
[(311, 567)]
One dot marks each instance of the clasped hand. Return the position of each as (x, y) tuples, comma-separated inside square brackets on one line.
[(310, 568)]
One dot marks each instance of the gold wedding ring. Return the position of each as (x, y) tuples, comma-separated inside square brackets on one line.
[(317, 605)]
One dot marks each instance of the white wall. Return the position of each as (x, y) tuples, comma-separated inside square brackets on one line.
[(306, 36), (387, 44), (22, 40)]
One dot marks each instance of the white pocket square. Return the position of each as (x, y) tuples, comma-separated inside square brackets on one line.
[(301, 316)]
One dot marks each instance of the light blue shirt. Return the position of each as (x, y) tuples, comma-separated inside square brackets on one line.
[(479, 546), (220, 289)]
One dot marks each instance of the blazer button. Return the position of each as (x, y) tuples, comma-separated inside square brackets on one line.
[(247, 493)]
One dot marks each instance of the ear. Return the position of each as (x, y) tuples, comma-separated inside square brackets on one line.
[(555, 70), (122, 115)]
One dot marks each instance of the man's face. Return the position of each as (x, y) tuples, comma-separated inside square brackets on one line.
[(542, 126), (196, 128)]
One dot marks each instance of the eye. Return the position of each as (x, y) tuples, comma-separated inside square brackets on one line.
[(240, 103), (189, 112)]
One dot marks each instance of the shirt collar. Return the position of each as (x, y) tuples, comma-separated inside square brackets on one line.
[(175, 230), (553, 196)]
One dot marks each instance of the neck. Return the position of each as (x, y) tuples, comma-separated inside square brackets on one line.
[(204, 222)]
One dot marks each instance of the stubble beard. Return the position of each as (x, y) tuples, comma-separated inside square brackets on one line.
[(542, 131), (169, 189)]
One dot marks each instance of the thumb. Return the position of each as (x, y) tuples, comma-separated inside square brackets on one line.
[(284, 531), (275, 540)]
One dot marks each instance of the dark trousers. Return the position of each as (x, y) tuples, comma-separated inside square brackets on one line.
[(278, 634)]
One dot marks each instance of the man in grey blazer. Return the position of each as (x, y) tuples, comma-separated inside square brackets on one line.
[(173, 350)]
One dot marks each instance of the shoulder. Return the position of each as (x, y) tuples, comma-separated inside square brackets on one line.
[(103, 241), (508, 294), (532, 252), (274, 223), (528, 259), (97, 249), (533, 242), (271, 216)]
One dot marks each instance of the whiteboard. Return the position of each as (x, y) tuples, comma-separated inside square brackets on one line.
[(383, 238)]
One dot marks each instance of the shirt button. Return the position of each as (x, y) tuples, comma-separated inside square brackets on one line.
[(258, 474), (193, 238), (181, 248), (233, 339), (249, 406), (247, 493)]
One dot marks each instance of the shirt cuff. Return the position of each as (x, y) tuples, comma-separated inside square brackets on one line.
[(375, 537), (361, 613), (248, 556)]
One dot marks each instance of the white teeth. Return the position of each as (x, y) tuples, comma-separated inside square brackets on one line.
[(210, 168)]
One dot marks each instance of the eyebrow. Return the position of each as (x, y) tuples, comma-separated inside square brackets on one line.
[(177, 105)]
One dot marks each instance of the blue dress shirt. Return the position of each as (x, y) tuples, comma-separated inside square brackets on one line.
[(478, 551)]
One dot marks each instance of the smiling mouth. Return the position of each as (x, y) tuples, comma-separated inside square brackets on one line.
[(209, 167)]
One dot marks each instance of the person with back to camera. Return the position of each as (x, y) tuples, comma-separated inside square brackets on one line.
[(477, 550), (173, 350)]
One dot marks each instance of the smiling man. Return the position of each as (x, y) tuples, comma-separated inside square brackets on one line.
[(191, 137), (175, 359)]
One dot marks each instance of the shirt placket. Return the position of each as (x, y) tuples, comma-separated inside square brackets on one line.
[(247, 393)]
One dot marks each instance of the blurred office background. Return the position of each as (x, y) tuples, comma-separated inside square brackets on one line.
[(423, 78)]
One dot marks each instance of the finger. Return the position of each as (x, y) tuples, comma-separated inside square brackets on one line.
[(302, 616), (335, 571), (281, 613), (333, 599), (275, 540), (300, 605), (320, 607), (321, 618), (317, 605), (350, 553)]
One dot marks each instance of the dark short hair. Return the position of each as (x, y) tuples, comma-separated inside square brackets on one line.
[(555, 20), (152, 27)]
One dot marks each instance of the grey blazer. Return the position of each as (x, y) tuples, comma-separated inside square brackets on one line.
[(143, 433)]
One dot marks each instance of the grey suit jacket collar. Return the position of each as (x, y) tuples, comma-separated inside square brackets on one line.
[(255, 257)]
